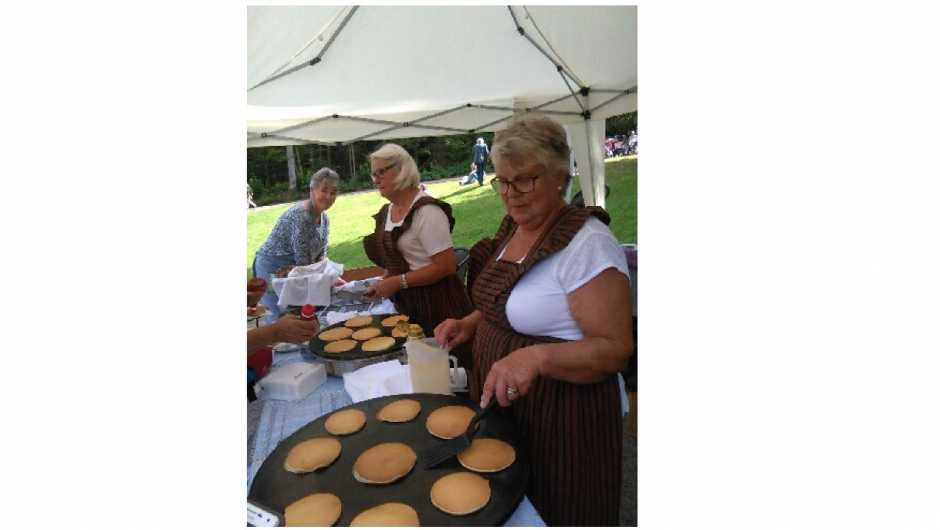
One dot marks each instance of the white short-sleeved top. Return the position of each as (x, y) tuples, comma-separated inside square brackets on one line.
[(429, 234), (538, 304)]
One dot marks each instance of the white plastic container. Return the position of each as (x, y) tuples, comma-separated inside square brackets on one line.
[(429, 367), (291, 382)]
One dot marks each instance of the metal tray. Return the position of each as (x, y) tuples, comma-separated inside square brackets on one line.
[(277, 488)]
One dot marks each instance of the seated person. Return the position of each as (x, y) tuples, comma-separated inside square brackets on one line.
[(471, 177)]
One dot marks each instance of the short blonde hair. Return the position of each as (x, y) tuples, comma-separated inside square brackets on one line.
[(396, 154), (533, 139)]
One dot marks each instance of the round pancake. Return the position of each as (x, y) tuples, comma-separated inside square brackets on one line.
[(447, 422), (388, 514), (319, 509), (487, 455), (400, 411), (384, 463), (335, 334), (366, 333), (345, 422), (358, 322), (378, 344), (339, 346), (392, 320), (460, 493), (312, 455)]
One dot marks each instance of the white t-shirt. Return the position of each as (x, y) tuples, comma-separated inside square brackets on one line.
[(538, 304), (429, 234)]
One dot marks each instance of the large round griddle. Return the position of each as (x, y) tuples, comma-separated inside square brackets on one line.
[(316, 345), (277, 488)]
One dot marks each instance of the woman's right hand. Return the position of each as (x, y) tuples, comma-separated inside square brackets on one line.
[(453, 332)]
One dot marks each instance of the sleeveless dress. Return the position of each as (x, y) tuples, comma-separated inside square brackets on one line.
[(427, 305), (573, 431)]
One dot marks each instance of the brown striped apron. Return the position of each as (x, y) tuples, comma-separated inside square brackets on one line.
[(429, 305), (573, 431)]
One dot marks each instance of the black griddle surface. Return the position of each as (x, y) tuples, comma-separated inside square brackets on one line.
[(356, 354), (277, 488)]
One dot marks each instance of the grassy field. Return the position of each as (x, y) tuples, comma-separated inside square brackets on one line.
[(478, 211)]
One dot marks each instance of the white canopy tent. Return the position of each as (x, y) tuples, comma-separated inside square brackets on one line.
[(336, 75)]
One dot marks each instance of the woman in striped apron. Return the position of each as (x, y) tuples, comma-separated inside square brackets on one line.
[(412, 242), (551, 327)]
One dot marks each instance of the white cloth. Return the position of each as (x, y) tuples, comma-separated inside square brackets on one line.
[(593, 250), (376, 380), (429, 234), (308, 284)]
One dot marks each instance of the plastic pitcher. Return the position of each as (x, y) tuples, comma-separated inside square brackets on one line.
[(429, 367)]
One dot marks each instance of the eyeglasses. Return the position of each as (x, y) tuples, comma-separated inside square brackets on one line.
[(521, 184), (380, 173)]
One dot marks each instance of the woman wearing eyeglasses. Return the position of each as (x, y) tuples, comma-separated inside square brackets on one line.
[(552, 327), (412, 242)]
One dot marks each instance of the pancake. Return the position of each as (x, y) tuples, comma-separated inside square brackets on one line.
[(366, 333), (402, 327), (460, 493), (339, 346), (487, 455), (388, 514), (447, 422), (378, 344), (312, 455), (335, 334), (358, 322), (319, 509), (392, 320), (400, 411), (384, 463), (345, 422)]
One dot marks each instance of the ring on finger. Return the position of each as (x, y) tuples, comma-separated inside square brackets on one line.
[(512, 391)]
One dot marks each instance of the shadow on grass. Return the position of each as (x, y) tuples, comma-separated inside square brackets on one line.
[(459, 191)]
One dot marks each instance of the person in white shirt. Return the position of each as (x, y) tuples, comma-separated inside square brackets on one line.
[(412, 242), (551, 329)]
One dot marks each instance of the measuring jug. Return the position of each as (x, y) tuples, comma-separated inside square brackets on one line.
[(429, 367)]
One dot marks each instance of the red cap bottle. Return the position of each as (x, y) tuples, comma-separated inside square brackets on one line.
[(308, 312)]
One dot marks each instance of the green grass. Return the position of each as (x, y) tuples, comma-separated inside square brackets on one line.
[(478, 211)]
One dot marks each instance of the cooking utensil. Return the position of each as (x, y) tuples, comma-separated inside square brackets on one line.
[(434, 456), (276, 488)]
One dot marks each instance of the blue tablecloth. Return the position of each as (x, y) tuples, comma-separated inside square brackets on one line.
[(280, 419)]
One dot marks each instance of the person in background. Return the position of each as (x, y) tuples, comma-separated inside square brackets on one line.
[(412, 242), (480, 153), (470, 176), (300, 235), (551, 327)]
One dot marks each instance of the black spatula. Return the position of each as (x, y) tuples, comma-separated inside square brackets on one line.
[(433, 456)]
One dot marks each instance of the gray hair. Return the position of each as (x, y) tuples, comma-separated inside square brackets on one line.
[(533, 139), (326, 174), (396, 154)]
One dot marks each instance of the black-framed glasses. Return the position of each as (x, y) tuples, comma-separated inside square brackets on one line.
[(379, 173), (521, 184)]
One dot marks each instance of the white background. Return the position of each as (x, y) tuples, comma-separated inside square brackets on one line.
[(788, 222)]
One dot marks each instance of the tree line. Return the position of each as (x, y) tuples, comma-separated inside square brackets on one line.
[(281, 174)]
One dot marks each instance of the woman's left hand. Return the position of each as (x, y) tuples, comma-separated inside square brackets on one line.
[(517, 371), (384, 288)]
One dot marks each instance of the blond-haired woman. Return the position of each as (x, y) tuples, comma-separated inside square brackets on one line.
[(551, 329), (412, 242)]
